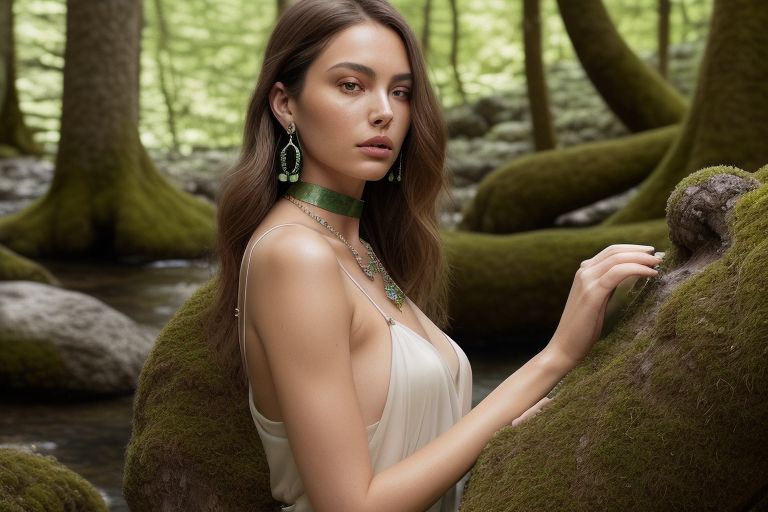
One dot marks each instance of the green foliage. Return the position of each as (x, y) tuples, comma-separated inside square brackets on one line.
[(666, 412), (37, 483), (215, 50)]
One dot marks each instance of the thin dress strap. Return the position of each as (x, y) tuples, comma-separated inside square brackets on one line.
[(386, 317), (244, 285)]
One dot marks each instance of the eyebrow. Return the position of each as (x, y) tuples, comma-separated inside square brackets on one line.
[(368, 71)]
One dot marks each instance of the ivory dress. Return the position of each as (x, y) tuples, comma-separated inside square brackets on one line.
[(423, 401)]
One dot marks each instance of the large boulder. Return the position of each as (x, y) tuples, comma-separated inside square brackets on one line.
[(30, 482), (194, 445), (55, 341), (668, 412)]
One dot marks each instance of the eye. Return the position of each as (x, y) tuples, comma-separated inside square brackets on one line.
[(345, 84), (406, 93)]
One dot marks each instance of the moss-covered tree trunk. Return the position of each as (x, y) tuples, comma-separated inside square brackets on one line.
[(15, 136), (669, 411), (538, 98), (107, 198), (728, 119), (637, 94)]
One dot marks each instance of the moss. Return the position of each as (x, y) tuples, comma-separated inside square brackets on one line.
[(700, 177), (14, 267), (31, 482), (667, 412), (32, 365), (530, 192), (194, 444), (637, 94), (726, 122), (519, 283), (131, 211)]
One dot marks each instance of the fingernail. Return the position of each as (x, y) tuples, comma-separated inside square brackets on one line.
[(659, 254)]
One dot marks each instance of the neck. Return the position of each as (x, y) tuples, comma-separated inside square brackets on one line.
[(341, 209)]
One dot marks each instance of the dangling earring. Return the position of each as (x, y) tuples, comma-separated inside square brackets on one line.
[(292, 176), (399, 168)]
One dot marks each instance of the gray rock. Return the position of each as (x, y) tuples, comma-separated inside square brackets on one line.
[(463, 121), (60, 341)]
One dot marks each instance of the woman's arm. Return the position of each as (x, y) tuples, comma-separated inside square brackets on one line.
[(303, 316)]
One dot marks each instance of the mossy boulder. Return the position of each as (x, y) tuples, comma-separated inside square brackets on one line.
[(194, 445), (668, 412), (517, 284), (530, 192), (56, 342), (31, 482), (14, 267)]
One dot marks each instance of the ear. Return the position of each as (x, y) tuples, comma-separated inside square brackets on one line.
[(279, 103)]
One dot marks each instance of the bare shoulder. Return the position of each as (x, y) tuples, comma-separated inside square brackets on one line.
[(293, 269)]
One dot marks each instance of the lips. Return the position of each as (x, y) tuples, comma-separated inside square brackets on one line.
[(378, 142)]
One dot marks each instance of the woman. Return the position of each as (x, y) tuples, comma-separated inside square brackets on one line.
[(361, 401)]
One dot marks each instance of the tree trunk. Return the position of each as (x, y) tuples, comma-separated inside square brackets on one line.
[(634, 92), (107, 198), (728, 119), (165, 69), (455, 36), (538, 99), (665, 6), (426, 27), (14, 133), (669, 411)]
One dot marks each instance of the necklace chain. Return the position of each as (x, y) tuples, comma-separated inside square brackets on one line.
[(393, 292)]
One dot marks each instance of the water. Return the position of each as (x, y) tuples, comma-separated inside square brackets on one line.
[(90, 436)]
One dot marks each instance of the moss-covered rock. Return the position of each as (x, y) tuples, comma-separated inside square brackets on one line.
[(514, 284), (14, 267), (530, 192), (666, 413), (35, 483), (56, 342), (194, 445)]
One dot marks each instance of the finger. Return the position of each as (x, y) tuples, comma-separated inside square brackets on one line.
[(614, 249), (618, 273), (611, 261)]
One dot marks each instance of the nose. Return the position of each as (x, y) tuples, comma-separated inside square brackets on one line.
[(381, 113)]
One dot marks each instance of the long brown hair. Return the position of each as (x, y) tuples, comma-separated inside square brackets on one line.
[(399, 220)]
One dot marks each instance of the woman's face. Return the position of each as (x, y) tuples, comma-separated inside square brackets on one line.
[(357, 88)]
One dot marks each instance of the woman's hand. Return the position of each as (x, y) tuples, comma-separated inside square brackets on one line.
[(597, 278), (533, 411)]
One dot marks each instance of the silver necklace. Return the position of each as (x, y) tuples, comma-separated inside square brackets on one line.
[(394, 293)]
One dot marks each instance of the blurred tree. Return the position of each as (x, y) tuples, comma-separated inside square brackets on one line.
[(728, 119), (538, 98), (665, 6), (455, 36), (425, 28), (107, 198), (14, 133), (165, 72), (638, 95)]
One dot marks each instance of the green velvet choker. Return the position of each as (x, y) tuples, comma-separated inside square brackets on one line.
[(327, 199)]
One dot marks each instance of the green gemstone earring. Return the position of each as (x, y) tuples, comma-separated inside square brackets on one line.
[(293, 175), (399, 168)]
